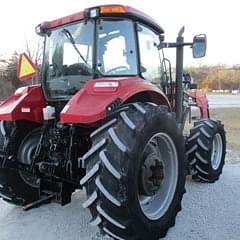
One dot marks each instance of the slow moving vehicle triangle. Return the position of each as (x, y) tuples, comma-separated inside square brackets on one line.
[(26, 68)]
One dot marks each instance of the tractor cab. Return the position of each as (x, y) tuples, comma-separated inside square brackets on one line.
[(74, 55), (109, 42), (106, 41)]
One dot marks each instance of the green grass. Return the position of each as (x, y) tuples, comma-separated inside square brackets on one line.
[(230, 117)]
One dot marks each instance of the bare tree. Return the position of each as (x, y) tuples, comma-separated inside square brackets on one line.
[(8, 68), (8, 78), (36, 54)]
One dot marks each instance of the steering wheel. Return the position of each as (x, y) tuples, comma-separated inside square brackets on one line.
[(78, 69), (117, 69)]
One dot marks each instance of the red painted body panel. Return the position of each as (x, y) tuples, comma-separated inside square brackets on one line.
[(64, 20), (25, 104), (81, 15), (201, 100), (89, 105)]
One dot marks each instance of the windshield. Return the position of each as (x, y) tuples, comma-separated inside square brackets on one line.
[(116, 53), (70, 54), (69, 64)]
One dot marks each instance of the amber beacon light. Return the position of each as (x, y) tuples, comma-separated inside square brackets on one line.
[(112, 9)]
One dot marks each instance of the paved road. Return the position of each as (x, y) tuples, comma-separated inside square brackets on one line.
[(224, 100), (210, 212)]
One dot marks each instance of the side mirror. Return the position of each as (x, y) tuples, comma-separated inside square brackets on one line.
[(199, 46)]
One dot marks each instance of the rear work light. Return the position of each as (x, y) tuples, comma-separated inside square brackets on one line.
[(112, 9), (93, 13)]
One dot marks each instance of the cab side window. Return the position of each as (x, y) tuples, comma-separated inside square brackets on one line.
[(149, 55)]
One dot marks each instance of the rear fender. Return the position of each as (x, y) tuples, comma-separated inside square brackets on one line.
[(201, 99), (25, 104), (149, 96), (90, 104)]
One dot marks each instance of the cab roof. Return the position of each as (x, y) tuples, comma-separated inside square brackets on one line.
[(106, 10)]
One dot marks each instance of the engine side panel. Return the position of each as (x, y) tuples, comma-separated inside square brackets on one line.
[(25, 104), (90, 104)]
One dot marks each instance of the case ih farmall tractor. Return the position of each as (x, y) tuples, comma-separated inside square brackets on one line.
[(109, 117)]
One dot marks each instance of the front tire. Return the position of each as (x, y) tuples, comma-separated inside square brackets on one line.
[(206, 150), (136, 173)]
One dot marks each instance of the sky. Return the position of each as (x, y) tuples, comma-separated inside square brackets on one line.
[(220, 20)]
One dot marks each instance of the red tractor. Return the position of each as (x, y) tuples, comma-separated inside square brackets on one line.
[(109, 117)]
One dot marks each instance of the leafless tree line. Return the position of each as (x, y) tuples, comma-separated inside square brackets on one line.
[(8, 69), (218, 77)]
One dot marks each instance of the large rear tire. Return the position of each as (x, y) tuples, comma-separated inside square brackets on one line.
[(206, 150), (135, 176), (13, 185)]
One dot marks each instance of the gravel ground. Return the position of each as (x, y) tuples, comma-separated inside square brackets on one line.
[(210, 212), (223, 100), (233, 157)]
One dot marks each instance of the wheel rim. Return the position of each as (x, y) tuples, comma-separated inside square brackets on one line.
[(217, 147), (155, 206)]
